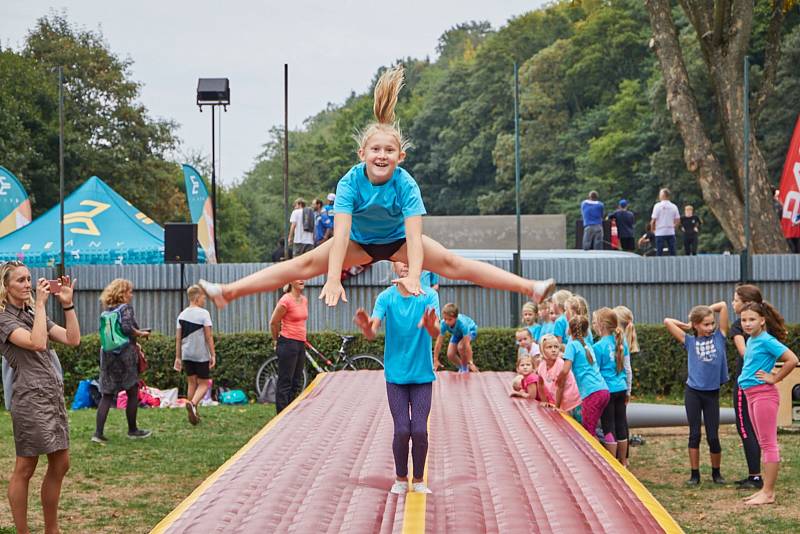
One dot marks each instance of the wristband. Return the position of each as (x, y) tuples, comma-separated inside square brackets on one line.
[(72, 307)]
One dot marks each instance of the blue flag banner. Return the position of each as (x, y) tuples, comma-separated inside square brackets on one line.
[(100, 227), (15, 206), (200, 210)]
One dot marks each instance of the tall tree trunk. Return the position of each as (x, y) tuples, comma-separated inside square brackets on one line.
[(723, 34)]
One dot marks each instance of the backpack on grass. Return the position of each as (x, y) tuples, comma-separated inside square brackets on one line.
[(111, 335)]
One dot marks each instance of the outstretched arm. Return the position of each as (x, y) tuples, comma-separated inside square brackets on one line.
[(415, 255), (676, 329), (332, 291)]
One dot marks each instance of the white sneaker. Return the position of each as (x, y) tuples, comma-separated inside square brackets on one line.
[(543, 288), (214, 292), (399, 488), (420, 487)]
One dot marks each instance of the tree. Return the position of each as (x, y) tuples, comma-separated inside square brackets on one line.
[(723, 29)]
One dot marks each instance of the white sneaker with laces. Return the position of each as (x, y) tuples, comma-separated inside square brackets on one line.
[(543, 288), (214, 292), (398, 488), (420, 487)]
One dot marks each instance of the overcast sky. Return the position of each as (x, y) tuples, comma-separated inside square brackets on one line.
[(332, 47)]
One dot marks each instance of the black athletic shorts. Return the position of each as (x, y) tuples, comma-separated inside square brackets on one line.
[(199, 369), (382, 251)]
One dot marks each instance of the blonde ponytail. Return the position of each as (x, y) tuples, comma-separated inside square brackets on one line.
[(387, 91)]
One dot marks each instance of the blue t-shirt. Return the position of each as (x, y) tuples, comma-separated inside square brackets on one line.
[(592, 211), (707, 361), (464, 326), (536, 332), (547, 328), (560, 327), (587, 375), (408, 352), (428, 279), (589, 339), (761, 353), (605, 351), (323, 222), (379, 211)]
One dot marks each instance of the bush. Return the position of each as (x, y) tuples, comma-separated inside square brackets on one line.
[(659, 369)]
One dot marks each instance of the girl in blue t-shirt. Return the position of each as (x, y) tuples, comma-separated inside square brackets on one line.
[(530, 319), (611, 352), (411, 322), (758, 382), (379, 213), (560, 322), (708, 370), (579, 358)]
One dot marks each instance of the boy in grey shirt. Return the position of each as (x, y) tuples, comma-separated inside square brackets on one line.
[(194, 349)]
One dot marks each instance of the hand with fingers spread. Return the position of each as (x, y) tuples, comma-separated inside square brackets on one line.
[(362, 321), (67, 289), (332, 291)]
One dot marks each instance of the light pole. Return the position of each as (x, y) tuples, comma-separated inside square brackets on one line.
[(61, 266), (213, 92)]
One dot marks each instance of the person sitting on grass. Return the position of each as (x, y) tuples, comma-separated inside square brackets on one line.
[(411, 323), (463, 332), (194, 349), (708, 370)]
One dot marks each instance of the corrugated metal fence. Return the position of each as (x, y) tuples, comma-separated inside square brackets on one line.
[(652, 287)]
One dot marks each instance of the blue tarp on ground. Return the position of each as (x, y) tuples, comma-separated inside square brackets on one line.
[(100, 227)]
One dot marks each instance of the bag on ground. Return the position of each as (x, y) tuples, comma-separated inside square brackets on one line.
[(233, 396), (268, 393)]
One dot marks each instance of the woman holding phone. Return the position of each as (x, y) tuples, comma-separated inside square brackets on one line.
[(38, 414), (119, 368)]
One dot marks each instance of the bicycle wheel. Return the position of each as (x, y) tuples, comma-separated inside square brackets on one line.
[(364, 361), (268, 368)]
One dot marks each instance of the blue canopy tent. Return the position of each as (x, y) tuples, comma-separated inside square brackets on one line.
[(100, 227)]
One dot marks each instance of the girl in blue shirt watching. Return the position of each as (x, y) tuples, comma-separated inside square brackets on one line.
[(579, 358), (708, 370), (560, 323), (379, 213), (758, 382), (411, 322), (611, 352)]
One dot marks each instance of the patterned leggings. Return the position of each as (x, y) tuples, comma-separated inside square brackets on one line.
[(410, 405)]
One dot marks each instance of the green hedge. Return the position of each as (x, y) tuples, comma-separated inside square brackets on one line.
[(660, 367)]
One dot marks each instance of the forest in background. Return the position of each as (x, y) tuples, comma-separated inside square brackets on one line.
[(592, 106)]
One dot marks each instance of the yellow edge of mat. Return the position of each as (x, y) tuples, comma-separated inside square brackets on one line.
[(416, 503), (165, 523), (656, 509)]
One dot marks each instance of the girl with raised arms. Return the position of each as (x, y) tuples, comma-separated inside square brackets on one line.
[(379, 213)]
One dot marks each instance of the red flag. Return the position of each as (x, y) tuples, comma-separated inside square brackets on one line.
[(789, 195)]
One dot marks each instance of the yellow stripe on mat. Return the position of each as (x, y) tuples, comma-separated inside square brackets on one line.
[(659, 513), (165, 523), (416, 503)]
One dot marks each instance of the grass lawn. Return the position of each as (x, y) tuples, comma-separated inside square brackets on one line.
[(128, 486)]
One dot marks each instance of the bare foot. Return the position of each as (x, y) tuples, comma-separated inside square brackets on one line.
[(753, 496), (472, 367), (214, 292), (541, 289), (761, 498)]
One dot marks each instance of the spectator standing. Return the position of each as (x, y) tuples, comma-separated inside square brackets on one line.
[(665, 219), (624, 220), (323, 223), (592, 213), (690, 224), (288, 329), (301, 232)]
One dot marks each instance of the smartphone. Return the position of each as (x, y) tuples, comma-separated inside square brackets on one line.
[(55, 286)]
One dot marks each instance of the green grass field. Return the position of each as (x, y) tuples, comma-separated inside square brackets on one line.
[(129, 486)]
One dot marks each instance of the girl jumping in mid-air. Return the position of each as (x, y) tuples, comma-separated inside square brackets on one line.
[(708, 370), (379, 213), (758, 382)]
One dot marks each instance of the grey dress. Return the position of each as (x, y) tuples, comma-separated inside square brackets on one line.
[(119, 369), (38, 413)]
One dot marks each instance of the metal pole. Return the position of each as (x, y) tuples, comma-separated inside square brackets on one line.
[(214, 183), (518, 256), (286, 160), (61, 266), (746, 267)]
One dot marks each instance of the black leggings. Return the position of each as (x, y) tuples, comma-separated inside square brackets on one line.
[(130, 409), (752, 452), (614, 418), (291, 361), (705, 405), (410, 405)]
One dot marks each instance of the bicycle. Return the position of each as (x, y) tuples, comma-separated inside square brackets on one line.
[(342, 361)]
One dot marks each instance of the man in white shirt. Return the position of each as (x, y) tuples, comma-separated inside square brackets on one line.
[(300, 239), (664, 220)]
